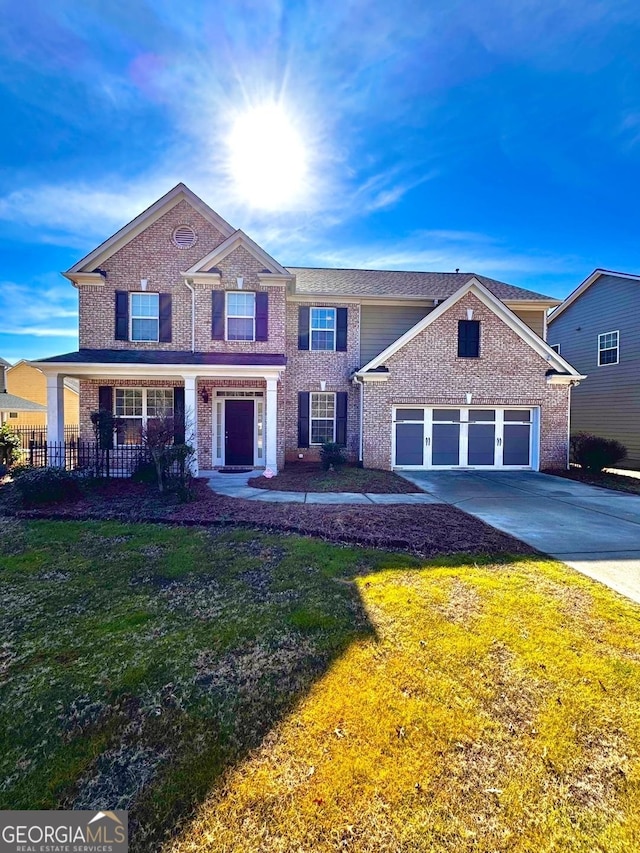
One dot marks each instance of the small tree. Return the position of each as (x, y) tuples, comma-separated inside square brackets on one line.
[(9, 446), (104, 425), (158, 440)]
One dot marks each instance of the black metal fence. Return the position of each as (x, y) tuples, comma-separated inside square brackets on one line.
[(87, 456), (38, 434)]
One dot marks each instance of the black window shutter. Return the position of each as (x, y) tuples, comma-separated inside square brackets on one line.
[(217, 315), (165, 318), (303, 419), (303, 332), (341, 418), (178, 415), (122, 315), (341, 329), (105, 403), (468, 338), (262, 316)]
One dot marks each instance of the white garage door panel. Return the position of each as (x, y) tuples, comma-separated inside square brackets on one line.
[(464, 437)]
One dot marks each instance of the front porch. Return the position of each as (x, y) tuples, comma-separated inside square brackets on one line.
[(233, 415)]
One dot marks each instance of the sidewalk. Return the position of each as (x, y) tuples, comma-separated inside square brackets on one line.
[(236, 486)]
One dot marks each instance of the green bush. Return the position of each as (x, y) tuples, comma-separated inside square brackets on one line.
[(47, 485), (594, 453), (9, 446), (332, 455), (144, 472)]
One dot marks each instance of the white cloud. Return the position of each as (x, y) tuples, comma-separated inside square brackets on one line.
[(40, 309)]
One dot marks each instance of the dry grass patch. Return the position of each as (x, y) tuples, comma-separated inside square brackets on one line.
[(483, 715)]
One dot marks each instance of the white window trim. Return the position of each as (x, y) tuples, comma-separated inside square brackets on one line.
[(615, 332), (144, 417), (228, 317), (132, 318), (555, 348), (311, 418), (312, 329)]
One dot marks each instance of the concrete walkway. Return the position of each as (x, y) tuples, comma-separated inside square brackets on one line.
[(236, 486), (594, 530)]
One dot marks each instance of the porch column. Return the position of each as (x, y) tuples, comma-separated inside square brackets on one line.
[(191, 419), (55, 416), (272, 425)]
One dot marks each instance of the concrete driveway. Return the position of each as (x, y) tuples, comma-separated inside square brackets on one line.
[(594, 530)]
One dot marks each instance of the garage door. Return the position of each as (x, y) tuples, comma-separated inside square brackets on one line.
[(464, 437)]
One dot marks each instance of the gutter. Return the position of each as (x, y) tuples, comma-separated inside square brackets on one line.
[(358, 381)]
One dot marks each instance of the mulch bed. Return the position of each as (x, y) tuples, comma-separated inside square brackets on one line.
[(311, 478), (618, 482), (428, 530)]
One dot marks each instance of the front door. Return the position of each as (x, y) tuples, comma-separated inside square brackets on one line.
[(238, 441)]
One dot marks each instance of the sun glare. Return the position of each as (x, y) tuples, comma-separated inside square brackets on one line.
[(267, 158)]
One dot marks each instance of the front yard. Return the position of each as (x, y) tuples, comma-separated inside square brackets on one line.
[(241, 691)]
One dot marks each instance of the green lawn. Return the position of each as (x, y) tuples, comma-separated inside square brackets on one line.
[(244, 692)]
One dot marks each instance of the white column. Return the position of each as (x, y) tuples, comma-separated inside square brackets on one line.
[(191, 419), (272, 425), (55, 416)]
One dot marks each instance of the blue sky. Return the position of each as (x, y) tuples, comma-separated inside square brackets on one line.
[(500, 137)]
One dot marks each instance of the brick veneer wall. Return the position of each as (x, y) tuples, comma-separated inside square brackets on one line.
[(307, 368), (427, 371), (89, 403), (153, 255)]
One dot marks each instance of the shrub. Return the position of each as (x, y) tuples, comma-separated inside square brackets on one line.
[(593, 453), (9, 446), (47, 485), (332, 455), (144, 472)]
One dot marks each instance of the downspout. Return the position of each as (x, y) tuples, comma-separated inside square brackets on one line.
[(193, 314), (360, 425)]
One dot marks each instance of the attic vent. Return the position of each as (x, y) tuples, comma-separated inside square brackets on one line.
[(184, 237)]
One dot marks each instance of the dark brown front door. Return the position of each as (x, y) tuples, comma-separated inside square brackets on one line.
[(238, 443)]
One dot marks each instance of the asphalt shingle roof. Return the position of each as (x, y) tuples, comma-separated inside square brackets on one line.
[(11, 403), (430, 285), (133, 356)]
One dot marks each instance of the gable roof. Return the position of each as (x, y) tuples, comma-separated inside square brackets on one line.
[(235, 240), (586, 284), (400, 283), (494, 304), (69, 382), (179, 193)]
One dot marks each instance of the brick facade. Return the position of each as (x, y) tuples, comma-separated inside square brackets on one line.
[(427, 371), (307, 368)]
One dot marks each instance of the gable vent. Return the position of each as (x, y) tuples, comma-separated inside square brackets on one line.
[(184, 237)]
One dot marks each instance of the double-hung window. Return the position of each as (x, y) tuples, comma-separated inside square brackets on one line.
[(323, 417), (135, 407), (608, 348), (145, 317), (323, 328), (241, 316)]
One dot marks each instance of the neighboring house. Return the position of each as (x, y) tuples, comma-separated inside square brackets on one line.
[(597, 328), (26, 381), (10, 404), (180, 313)]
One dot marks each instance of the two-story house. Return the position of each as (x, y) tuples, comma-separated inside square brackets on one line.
[(597, 328), (180, 314)]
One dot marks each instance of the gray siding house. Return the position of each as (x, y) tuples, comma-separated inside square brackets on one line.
[(597, 329)]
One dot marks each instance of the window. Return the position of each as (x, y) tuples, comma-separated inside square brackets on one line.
[(323, 417), (555, 348), (13, 414), (323, 328), (136, 406), (241, 316), (608, 348), (468, 338), (145, 316)]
